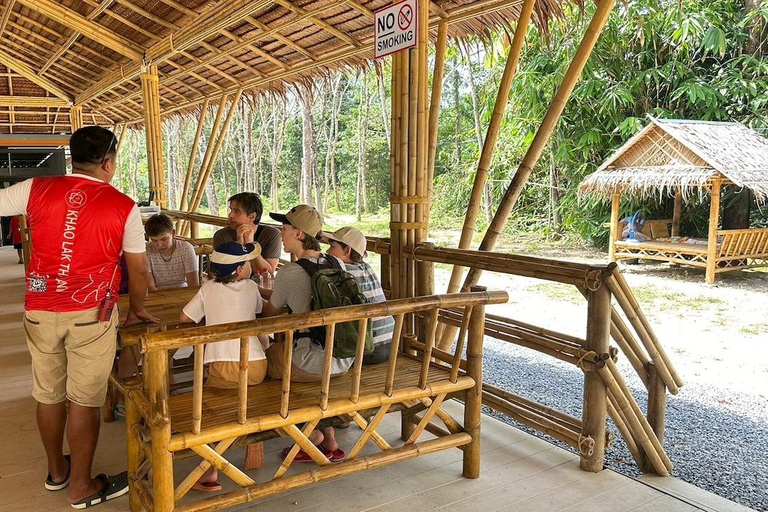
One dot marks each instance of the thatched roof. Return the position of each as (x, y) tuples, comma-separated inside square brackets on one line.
[(669, 154), (91, 52)]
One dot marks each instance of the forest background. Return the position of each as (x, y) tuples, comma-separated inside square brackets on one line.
[(327, 142)]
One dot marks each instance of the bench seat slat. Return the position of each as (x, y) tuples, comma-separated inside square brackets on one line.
[(220, 405)]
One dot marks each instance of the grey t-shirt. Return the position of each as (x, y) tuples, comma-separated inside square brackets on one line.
[(267, 236), (293, 288)]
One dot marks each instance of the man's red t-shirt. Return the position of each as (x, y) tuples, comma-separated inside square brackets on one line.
[(77, 226)]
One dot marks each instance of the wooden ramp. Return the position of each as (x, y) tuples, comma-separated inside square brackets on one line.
[(519, 472)]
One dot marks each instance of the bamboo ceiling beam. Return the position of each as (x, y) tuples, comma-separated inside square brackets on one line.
[(6, 15), (73, 37), (25, 71), (154, 134), (86, 27), (241, 46), (361, 9), (278, 36), (545, 130), (320, 23), (152, 17), (205, 25), (26, 101), (179, 7), (193, 157), (332, 56), (207, 81)]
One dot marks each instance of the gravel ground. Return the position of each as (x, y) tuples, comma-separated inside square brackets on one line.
[(717, 339), (720, 449)]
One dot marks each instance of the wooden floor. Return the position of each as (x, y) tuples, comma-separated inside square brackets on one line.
[(519, 472)]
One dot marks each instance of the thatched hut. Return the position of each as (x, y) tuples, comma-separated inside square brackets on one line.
[(682, 158)]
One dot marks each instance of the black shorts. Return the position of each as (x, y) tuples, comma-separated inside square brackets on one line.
[(17, 246)]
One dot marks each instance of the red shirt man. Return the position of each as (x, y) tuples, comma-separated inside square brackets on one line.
[(80, 226)]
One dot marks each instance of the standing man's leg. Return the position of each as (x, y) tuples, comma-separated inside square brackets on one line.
[(51, 422), (49, 363), (90, 347)]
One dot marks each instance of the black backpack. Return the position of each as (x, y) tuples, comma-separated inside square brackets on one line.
[(333, 286)]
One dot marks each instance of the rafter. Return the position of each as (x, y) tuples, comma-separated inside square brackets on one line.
[(205, 25), (87, 27), (234, 48), (280, 37), (25, 71), (73, 37), (320, 23), (31, 101), (6, 15), (147, 14)]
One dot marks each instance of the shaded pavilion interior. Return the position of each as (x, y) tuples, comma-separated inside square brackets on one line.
[(129, 63)]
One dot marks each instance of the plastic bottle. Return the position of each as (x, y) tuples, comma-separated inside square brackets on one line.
[(269, 280)]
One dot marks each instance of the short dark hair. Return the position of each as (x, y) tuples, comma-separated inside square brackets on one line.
[(250, 202), (353, 254), (229, 278), (158, 224), (91, 145)]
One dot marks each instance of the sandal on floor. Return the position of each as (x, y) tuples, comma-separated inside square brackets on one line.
[(114, 487), (119, 410), (53, 486), (206, 486), (302, 456)]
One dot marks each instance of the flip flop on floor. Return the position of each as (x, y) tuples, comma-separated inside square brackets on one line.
[(206, 486), (335, 455), (53, 486), (302, 456), (119, 410), (114, 486)]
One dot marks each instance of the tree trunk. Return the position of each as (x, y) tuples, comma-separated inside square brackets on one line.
[(486, 204), (279, 121), (307, 146), (210, 194), (554, 194), (457, 109)]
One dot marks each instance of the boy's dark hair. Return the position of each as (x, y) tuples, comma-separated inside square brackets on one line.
[(250, 202), (353, 255), (310, 243), (91, 145), (158, 225), (231, 278)]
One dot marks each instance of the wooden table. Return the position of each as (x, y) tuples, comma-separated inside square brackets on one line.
[(164, 304)]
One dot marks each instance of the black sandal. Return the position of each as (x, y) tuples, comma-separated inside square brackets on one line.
[(114, 487), (53, 486)]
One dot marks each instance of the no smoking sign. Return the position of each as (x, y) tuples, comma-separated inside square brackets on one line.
[(395, 28)]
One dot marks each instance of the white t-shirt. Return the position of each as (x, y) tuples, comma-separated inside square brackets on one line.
[(223, 303), (13, 201)]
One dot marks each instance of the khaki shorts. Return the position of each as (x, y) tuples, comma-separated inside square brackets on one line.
[(276, 359), (225, 374), (72, 355)]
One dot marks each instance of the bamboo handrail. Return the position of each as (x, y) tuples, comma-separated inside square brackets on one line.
[(168, 340)]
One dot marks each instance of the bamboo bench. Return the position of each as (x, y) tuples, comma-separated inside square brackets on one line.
[(207, 422)]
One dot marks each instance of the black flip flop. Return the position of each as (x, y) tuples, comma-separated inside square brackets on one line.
[(114, 487), (53, 486)]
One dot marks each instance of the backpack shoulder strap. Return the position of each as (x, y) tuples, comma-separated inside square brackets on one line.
[(308, 266), (332, 262)]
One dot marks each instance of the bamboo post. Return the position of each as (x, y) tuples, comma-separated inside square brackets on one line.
[(162, 459), (548, 125), (184, 201), (154, 133), (434, 104), (595, 392), (285, 390), (242, 381), (489, 145), (429, 342), (394, 349), (677, 212), (325, 386), (396, 257), (714, 221), (386, 272), (657, 405), (357, 367), (425, 285), (474, 396), (76, 117), (134, 451), (197, 389), (456, 364), (614, 233)]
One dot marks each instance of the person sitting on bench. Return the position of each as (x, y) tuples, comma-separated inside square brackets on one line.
[(301, 227), (230, 297), (348, 244)]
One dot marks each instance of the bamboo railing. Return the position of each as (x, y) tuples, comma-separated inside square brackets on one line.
[(160, 426), (613, 313)]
